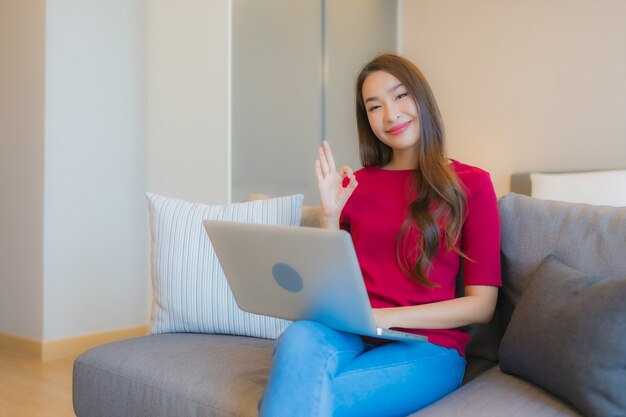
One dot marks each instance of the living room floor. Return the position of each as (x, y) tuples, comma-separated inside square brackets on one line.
[(31, 388)]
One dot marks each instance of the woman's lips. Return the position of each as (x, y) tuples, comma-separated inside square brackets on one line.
[(399, 129)]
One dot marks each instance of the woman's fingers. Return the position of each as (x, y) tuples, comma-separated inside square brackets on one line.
[(323, 162), (346, 171), (349, 186), (329, 155), (348, 180), (325, 168), (318, 171)]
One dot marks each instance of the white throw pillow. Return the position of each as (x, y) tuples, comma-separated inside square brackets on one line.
[(606, 188), (190, 291)]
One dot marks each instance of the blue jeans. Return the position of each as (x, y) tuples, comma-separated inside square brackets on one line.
[(317, 371)]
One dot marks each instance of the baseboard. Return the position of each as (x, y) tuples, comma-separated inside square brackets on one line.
[(20, 345), (47, 350)]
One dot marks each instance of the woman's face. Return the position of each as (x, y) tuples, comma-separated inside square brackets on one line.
[(391, 111)]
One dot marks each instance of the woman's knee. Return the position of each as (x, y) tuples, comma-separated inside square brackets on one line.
[(304, 329), (301, 335), (309, 336)]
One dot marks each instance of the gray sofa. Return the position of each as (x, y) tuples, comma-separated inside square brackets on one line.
[(186, 375)]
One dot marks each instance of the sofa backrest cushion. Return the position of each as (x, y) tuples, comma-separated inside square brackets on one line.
[(590, 239)]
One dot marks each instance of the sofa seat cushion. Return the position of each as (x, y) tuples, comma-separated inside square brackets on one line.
[(180, 375), (496, 394)]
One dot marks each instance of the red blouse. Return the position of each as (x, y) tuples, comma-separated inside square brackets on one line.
[(374, 215)]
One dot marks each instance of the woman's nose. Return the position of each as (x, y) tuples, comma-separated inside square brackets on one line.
[(391, 113)]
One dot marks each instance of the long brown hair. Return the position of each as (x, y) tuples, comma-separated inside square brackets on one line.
[(441, 199)]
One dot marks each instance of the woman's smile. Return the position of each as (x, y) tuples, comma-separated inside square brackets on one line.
[(399, 129)]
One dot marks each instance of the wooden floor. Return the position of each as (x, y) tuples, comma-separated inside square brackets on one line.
[(31, 388)]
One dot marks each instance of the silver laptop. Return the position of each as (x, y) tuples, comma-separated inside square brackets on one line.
[(297, 273)]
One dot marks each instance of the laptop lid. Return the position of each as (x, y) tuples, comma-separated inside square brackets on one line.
[(297, 273)]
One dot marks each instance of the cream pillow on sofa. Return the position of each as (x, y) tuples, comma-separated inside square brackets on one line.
[(190, 292), (605, 188)]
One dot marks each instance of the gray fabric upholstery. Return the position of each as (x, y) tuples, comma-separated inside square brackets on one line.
[(496, 394), (590, 239), (485, 339), (475, 367), (182, 375), (187, 375), (571, 314), (483, 345)]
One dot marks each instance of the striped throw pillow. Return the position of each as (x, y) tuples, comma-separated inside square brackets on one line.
[(190, 292)]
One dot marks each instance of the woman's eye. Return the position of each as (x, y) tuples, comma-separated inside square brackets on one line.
[(373, 108), (402, 95)]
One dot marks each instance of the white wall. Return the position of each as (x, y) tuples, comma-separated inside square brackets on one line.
[(21, 166), (294, 68), (351, 43), (95, 276), (188, 106), (525, 85), (101, 101), (276, 109), (522, 86)]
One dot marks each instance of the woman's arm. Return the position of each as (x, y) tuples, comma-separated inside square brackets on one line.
[(476, 306), (310, 216)]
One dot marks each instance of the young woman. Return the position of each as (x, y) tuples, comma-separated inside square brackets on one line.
[(414, 216)]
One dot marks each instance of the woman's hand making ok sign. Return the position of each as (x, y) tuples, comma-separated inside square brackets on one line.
[(335, 187)]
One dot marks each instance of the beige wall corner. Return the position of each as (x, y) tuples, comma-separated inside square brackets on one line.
[(22, 78)]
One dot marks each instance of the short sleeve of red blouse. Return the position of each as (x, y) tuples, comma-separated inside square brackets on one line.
[(480, 237)]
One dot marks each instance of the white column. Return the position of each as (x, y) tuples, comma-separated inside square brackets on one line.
[(188, 99), (95, 275)]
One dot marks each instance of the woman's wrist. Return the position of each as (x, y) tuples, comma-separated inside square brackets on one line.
[(384, 317), (329, 222)]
